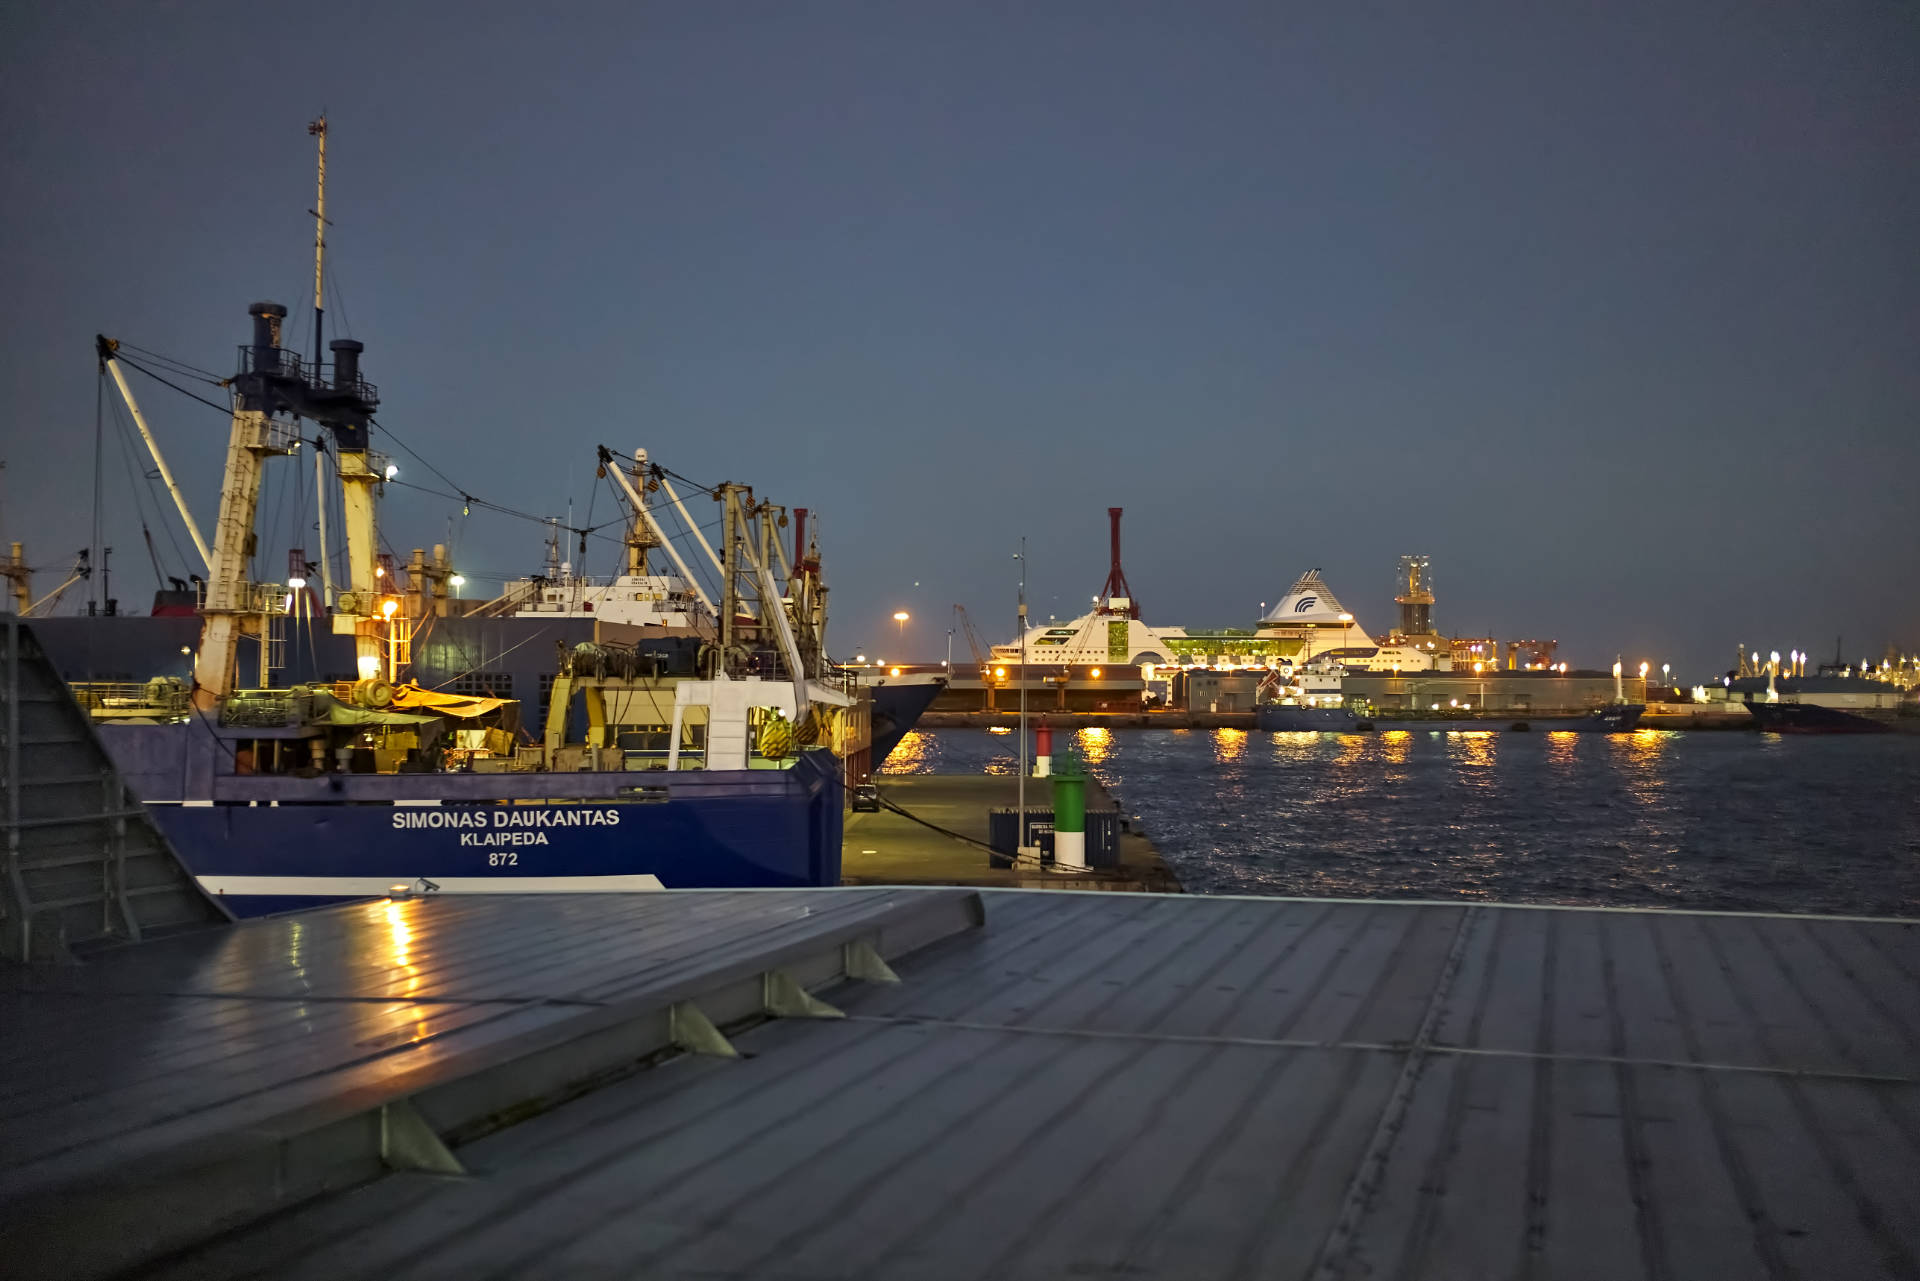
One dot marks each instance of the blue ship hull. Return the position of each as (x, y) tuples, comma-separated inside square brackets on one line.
[(267, 843)]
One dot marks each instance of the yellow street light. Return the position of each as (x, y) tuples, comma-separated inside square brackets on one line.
[(900, 620)]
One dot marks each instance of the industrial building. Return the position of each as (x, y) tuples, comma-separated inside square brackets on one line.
[(1492, 690)]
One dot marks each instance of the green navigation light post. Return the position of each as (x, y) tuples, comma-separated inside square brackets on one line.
[(1069, 812)]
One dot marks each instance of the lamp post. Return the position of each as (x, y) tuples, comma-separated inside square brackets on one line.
[(900, 620), (1020, 805), (457, 582)]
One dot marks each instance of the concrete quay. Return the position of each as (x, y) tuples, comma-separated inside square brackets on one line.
[(1057, 719), (1676, 716), (941, 838)]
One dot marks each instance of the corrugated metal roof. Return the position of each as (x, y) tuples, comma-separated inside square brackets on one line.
[(1191, 1088)]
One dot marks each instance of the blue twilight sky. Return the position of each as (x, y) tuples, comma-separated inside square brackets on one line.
[(1613, 310)]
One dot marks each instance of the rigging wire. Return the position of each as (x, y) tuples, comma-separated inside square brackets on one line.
[(99, 418), (139, 506), (340, 303), (159, 506), (455, 492), (226, 409), (467, 500), (173, 365)]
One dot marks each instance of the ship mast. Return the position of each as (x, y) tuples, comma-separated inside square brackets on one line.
[(319, 211), (640, 539)]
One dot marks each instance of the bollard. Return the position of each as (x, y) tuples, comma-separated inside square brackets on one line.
[(1070, 815), (1043, 751)]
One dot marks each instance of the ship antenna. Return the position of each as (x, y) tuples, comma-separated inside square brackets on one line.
[(319, 131)]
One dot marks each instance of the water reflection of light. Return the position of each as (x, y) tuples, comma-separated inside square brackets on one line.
[(1472, 747), (1096, 745), (1229, 744), (1638, 755), (1398, 742), (1295, 747), (1643, 746), (1352, 748), (913, 754)]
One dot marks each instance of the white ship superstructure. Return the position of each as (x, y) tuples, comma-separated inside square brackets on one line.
[(1105, 636), (1311, 614), (1311, 684), (1110, 635), (637, 598), (634, 600)]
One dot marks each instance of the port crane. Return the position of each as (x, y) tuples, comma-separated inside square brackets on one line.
[(981, 654)]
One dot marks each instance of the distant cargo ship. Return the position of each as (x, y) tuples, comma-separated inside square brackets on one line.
[(1303, 698), (1826, 704), (1614, 718)]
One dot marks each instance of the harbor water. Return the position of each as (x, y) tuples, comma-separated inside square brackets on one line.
[(1655, 818)]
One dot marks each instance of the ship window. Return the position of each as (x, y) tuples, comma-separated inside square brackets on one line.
[(481, 685), (546, 694)]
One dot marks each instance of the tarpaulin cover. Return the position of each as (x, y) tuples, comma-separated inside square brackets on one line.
[(414, 698)]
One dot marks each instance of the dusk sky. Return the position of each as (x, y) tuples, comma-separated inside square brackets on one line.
[(1613, 313)]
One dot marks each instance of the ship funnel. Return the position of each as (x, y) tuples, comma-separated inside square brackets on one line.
[(1116, 597), (263, 356), (266, 324), (346, 362)]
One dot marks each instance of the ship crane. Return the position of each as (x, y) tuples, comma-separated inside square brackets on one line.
[(643, 516), (106, 349)]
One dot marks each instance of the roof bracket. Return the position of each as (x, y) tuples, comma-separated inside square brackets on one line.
[(695, 1033), (407, 1142), (863, 961), (784, 998)]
